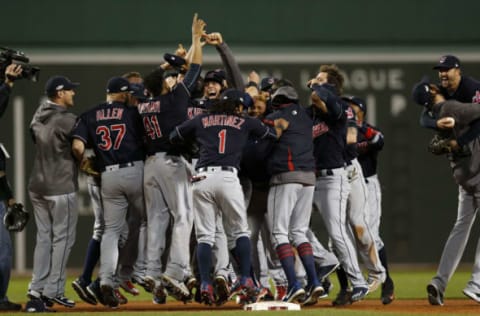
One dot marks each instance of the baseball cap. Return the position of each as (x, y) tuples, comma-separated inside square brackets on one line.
[(57, 83), (175, 61), (233, 94), (217, 75), (447, 62), (421, 92), (287, 92), (266, 83), (118, 84), (357, 101), (138, 91)]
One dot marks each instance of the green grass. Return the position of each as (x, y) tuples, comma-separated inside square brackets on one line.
[(408, 285)]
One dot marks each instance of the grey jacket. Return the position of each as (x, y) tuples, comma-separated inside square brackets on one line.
[(465, 165), (55, 171)]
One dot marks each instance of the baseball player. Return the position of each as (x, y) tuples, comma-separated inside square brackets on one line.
[(453, 85), (427, 94), (87, 290), (221, 134), (369, 143), (357, 207), (332, 186), (6, 199), (114, 131), (167, 176), (292, 168), (53, 192), (464, 162)]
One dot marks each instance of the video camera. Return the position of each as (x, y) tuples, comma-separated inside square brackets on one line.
[(8, 56)]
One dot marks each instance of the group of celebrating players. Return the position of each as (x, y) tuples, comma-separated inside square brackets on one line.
[(203, 188)]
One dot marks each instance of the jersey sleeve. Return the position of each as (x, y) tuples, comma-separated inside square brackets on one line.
[(260, 130), (184, 131), (80, 129)]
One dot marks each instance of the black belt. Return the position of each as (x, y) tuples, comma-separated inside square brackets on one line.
[(118, 166), (218, 168)]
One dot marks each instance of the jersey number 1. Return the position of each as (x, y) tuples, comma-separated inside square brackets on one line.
[(106, 132), (222, 136)]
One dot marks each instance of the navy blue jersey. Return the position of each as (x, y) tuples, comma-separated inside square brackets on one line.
[(370, 143), (221, 137), (329, 138), (350, 149), (294, 149), (196, 107), (254, 159), (468, 91), (114, 131), (160, 115)]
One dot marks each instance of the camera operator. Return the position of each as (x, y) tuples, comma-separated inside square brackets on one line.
[(6, 198)]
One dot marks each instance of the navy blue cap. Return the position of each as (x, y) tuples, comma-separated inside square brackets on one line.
[(58, 83), (357, 101), (138, 91), (175, 61), (118, 84), (266, 83), (233, 94), (447, 62), (421, 92), (217, 75)]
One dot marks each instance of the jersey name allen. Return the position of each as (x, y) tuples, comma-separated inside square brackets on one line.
[(222, 120), (109, 114)]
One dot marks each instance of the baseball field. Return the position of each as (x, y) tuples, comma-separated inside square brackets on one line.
[(409, 292)]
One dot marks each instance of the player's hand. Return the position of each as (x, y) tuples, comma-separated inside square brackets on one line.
[(446, 123), (11, 73), (198, 26), (453, 144), (214, 38), (254, 77), (181, 51), (312, 82)]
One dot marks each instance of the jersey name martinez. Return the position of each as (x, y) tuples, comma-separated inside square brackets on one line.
[(223, 120)]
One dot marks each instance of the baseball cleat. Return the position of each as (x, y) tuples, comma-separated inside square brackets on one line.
[(109, 296), (120, 297), (387, 295), (435, 297), (206, 293), (471, 294), (343, 298), (358, 293), (295, 294), (313, 294), (176, 288), (94, 290), (128, 287), (80, 288), (221, 289)]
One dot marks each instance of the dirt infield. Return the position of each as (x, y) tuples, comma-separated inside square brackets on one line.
[(399, 306)]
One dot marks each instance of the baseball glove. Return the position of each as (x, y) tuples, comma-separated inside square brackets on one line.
[(16, 218), (88, 166), (439, 145)]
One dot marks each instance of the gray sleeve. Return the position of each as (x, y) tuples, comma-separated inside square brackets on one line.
[(234, 76)]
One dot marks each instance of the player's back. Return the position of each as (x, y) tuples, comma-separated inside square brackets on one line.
[(115, 133)]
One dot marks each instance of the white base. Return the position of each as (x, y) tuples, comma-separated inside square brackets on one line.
[(272, 306)]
